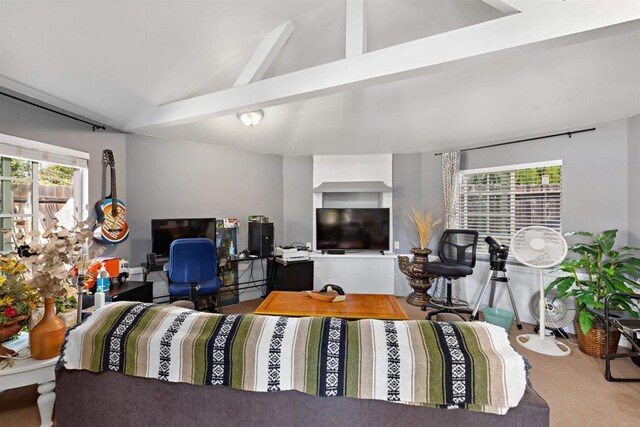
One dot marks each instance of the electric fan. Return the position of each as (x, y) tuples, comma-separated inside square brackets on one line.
[(541, 248), (558, 314)]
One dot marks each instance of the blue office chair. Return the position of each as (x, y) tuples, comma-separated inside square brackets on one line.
[(193, 268)]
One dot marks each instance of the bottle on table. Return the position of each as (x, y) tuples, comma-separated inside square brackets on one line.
[(103, 282)]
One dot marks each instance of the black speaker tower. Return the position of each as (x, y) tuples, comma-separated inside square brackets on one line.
[(261, 239)]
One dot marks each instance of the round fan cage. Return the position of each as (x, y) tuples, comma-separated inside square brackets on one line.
[(559, 312), (539, 247)]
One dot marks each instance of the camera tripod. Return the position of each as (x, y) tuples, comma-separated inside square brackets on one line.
[(493, 278)]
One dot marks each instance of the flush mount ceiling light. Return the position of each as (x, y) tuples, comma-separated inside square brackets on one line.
[(251, 118)]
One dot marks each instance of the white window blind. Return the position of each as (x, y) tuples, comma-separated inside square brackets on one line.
[(500, 201), (26, 149)]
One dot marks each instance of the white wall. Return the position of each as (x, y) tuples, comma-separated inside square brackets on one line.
[(25, 121), (297, 179), (634, 179)]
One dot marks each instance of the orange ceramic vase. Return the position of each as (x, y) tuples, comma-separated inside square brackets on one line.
[(45, 339)]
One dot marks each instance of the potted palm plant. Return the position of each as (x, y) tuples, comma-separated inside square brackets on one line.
[(597, 270)]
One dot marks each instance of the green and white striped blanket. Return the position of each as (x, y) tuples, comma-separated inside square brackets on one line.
[(416, 362)]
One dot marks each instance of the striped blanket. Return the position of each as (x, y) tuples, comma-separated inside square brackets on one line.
[(417, 362)]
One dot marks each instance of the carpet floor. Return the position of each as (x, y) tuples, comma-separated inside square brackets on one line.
[(573, 386)]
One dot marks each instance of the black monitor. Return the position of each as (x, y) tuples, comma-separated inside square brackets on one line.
[(355, 228), (165, 231)]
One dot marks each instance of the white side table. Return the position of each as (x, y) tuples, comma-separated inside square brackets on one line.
[(31, 371)]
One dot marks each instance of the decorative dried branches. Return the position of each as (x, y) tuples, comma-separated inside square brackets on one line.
[(54, 256), (424, 224)]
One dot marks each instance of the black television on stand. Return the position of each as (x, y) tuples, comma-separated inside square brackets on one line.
[(341, 229), (165, 231)]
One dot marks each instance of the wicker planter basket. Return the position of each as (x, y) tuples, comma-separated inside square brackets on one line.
[(593, 343)]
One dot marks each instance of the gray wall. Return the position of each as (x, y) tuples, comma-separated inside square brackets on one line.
[(600, 181), (634, 179), (594, 175), (298, 197), (168, 178), (177, 179), (297, 180), (407, 193), (25, 121), (432, 197)]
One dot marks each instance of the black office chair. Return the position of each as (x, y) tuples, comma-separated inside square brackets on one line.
[(457, 252)]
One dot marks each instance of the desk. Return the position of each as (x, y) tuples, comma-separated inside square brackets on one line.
[(232, 282), (132, 291), (150, 268), (128, 291), (31, 371), (251, 284)]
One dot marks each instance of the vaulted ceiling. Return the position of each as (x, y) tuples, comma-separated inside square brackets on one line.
[(114, 61)]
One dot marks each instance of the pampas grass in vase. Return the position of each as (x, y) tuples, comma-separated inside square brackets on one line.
[(424, 224)]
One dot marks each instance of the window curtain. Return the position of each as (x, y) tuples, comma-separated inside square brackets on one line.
[(450, 188)]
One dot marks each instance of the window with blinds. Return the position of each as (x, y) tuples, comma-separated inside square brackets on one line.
[(39, 184), (500, 201)]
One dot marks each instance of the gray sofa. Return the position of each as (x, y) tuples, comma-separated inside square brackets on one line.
[(113, 399)]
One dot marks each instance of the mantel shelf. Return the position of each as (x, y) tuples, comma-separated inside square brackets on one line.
[(353, 187)]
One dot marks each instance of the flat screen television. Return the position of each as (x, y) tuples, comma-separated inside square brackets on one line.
[(355, 228), (165, 231)]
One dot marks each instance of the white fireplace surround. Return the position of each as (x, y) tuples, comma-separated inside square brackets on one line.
[(362, 181), (358, 181)]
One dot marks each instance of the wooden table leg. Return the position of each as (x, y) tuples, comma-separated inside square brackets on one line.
[(46, 400)]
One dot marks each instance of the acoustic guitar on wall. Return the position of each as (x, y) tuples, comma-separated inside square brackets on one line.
[(110, 211)]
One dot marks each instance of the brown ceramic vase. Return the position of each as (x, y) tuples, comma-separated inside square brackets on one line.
[(45, 339), (419, 280)]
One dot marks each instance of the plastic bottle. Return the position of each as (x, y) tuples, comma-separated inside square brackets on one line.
[(98, 299), (103, 283)]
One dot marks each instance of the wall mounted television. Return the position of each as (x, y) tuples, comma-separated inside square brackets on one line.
[(353, 228), (165, 231)]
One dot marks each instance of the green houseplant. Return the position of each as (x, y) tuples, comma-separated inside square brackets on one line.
[(597, 271), (17, 300)]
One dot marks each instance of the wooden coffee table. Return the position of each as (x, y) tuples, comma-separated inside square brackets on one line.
[(355, 306)]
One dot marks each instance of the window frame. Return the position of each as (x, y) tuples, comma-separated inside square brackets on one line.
[(459, 218), (38, 153)]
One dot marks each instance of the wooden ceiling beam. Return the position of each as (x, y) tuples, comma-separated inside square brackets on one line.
[(509, 7), (502, 6), (542, 28), (356, 28), (265, 54)]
